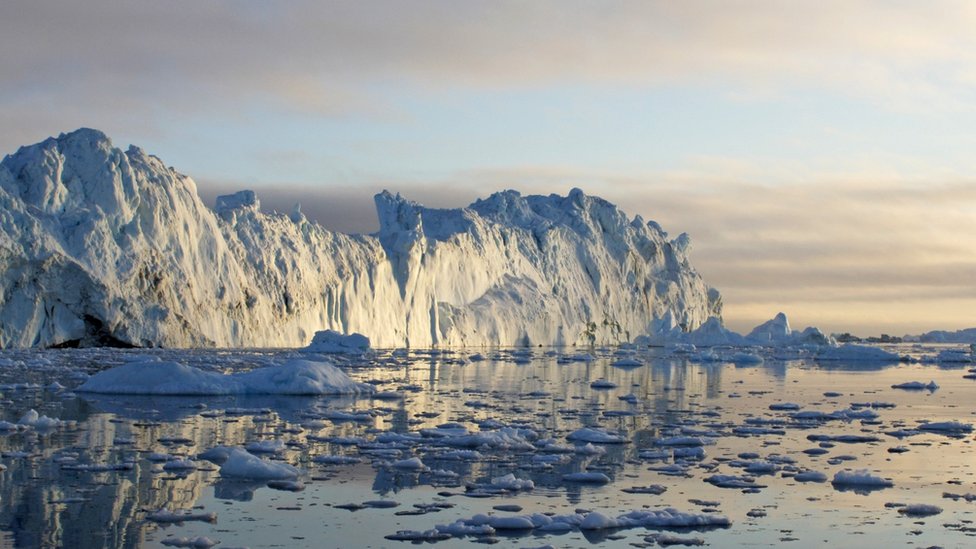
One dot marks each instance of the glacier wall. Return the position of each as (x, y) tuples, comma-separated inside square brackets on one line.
[(101, 246)]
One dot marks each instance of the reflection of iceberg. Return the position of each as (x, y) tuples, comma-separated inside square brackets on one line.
[(88, 502), (236, 489)]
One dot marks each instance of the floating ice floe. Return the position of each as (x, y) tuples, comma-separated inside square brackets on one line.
[(668, 540), (265, 446), (37, 421), (848, 414), (200, 542), (861, 478), (684, 441), (481, 524), (333, 342), (953, 356), (916, 386), (503, 484), (596, 435), (154, 377), (953, 427), (810, 476), (920, 510), (239, 463), (180, 465), (602, 384), (336, 460), (731, 481), (166, 516), (409, 464), (654, 489), (856, 353)]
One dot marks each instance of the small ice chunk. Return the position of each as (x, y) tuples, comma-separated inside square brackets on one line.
[(413, 464), (180, 465), (916, 386), (946, 427), (265, 446), (587, 478), (154, 377), (418, 536), (730, 481), (286, 485), (857, 353), (166, 516), (810, 476), (240, 463), (37, 421), (920, 510), (860, 478), (596, 435), (201, 542), (510, 483), (332, 342)]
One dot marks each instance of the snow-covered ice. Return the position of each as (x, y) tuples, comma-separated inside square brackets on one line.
[(152, 377)]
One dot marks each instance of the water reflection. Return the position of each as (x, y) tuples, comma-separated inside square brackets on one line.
[(42, 504)]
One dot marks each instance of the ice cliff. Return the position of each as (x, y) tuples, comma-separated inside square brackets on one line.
[(101, 246)]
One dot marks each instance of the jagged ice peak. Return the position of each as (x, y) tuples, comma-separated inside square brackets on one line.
[(104, 246)]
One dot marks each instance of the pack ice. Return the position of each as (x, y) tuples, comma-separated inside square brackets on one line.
[(101, 246)]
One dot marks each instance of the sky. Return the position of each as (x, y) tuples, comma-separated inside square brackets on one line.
[(819, 153)]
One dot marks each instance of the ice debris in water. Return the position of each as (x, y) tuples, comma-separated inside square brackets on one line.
[(857, 353), (920, 510), (239, 463), (481, 524), (860, 478), (916, 386), (167, 516), (37, 421), (200, 542), (596, 435), (332, 342), (154, 377), (946, 427)]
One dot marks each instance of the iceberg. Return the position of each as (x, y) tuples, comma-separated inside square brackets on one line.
[(109, 247), (332, 342), (774, 331)]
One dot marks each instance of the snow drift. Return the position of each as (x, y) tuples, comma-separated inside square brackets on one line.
[(101, 246)]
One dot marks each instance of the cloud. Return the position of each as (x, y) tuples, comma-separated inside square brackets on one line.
[(116, 63)]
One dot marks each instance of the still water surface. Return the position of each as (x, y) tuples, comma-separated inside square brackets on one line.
[(44, 502)]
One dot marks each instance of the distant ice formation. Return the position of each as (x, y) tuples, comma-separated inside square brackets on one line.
[(101, 246)]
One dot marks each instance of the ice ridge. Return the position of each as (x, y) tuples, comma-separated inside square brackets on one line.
[(101, 246)]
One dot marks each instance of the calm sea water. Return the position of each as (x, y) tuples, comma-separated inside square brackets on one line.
[(45, 501)]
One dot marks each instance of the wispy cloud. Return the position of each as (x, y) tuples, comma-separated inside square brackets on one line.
[(105, 59)]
